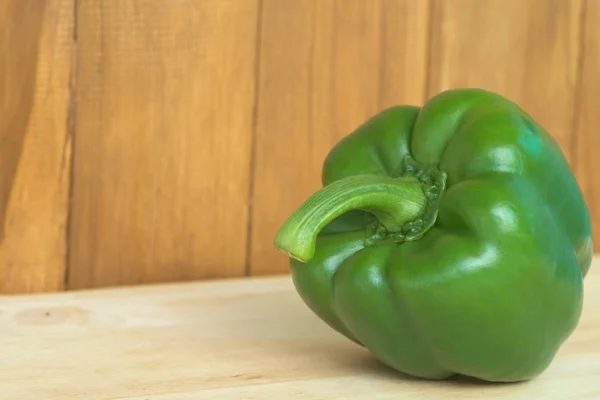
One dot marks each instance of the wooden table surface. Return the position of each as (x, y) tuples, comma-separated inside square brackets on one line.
[(233, 340)]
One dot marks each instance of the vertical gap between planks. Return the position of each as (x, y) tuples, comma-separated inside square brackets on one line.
[(429, 50), (575, 117), (71, 134), (253, 145)]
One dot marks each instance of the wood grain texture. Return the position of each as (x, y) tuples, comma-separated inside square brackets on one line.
[(517, 48), (36, 44), (163, 137), (325, 67), (587, 123), (248, 339), (198, 126)]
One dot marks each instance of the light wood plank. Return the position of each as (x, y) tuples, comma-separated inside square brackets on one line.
[(231, 340), (517, 48), (164, 124), (36, 45), (325, 67), (587, 118)]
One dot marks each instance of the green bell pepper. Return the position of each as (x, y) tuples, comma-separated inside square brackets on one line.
[(449, 239)]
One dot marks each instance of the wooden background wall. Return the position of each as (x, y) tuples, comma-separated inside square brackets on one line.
[(151, 140)]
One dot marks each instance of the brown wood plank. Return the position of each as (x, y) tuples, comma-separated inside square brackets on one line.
[(162, 152), (36, 44), (587, 120), (517, 48), (325, 67)]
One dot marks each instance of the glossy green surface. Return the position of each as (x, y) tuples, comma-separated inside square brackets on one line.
[(493, 286)]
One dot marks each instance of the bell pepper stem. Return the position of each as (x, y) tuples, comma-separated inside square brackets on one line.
[(393, 201)]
